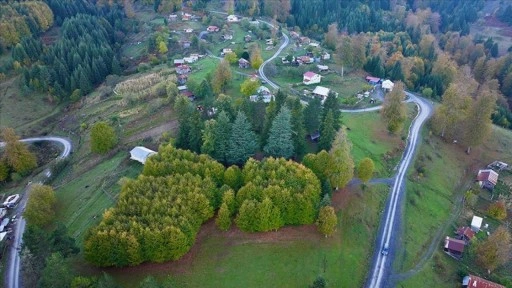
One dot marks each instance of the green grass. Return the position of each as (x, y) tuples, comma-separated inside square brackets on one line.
[(440, 271), (248, 260), (82, 200)]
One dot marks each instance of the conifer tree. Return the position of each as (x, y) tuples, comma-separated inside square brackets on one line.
[(327, 132), (280, 143), (223, 220), (242, 143), (222, 137)]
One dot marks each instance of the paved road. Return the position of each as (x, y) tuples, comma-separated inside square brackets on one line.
[(12, 273), (262, 67), (390, 224)]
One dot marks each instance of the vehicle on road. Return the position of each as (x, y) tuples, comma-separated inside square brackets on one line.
[(385, 250)]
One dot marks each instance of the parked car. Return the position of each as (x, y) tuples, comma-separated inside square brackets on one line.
[(385, 250)]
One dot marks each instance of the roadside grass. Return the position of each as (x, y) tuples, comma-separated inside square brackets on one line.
[(291, 257), (82, 200), (430, 198), (18, 108)]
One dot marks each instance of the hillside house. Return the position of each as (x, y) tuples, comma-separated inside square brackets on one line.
[(472, 281), (304, 40), (322, 68), (173, 17), (454, 247), (321, 92), (498, 165), (247, 38), (185, 44), (294, 35), (186, 17), (183, 69), (178, 62), (141, 154), (387, 85), (182, 79), (476, 223), (305, 60), (269, 42), (465, 234), (190, 59), (487, 178), (243, 63), (311, 78), (262, 94), (314, 45), (188, 30), (225, 51), (213, 29), (227, 37), (373, 80), (325, 56), (232, 18)]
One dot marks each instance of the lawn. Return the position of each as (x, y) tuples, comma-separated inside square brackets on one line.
[(82, 200), (291, 257)]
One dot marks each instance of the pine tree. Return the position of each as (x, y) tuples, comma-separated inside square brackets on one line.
[(332, 104), (269, 217), (222, 137), (195, 132), (341, 167), (327, 132), (209, 137), (270, 113), (327, 221), (312, 114), (280, 143), (299, 130), (242, 143)]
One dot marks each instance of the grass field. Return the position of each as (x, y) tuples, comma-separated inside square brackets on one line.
[(291, 257)]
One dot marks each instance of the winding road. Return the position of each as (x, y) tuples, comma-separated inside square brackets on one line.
[(391, 222), (12, 271)]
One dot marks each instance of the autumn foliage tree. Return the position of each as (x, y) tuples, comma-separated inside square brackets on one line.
[(393, 109), (255, 57), (16, 154), (221, 77), (497, 210), (495, 250), (365, 169), (327, 221), (40, 209), (249, 87)]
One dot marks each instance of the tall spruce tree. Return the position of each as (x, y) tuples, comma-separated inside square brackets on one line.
[(243, 142), (280, 142), (327, 132), (312, 114), (222, 136), (299, 130)]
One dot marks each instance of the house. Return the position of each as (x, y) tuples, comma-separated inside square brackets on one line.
[(182, 79), (487, 178), (243, 63), (182, 88), (188, 30), (225, 51), (465, 233), (227, 37), (141, 154), (373, 80), (304, 60), (311, 78), (247, 38), (173, 17), (314, 45), (387, 85), (294, 35), (454, 247), (190, 59), (498, 165), (186, 16), (262, 90), (322, 68), (213, 29), (264, 98), (472, 281), (325, 56), (185, 44), (232, 18), (178, 62), (476, 223), (321, 92), (269, 42), (183, 69), (304, 40)]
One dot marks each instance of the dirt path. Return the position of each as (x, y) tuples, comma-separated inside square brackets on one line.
[(153, 132)]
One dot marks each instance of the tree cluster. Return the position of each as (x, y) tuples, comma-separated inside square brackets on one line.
[(16, 157)]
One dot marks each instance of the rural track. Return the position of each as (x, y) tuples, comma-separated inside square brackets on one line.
[(12, 271)]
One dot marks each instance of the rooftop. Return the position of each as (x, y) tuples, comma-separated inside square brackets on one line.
[(472, 281), (487, 175)]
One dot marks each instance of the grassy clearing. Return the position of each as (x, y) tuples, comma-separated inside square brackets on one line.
[(291, 257), (82, 200), (440, 271)]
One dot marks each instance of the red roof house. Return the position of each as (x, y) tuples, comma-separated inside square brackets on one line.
[(472, 281), (454, 247), (487, 178), (465, 233), (311, 78), (212, 29)]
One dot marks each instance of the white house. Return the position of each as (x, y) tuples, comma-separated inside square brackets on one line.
[(311, 78), (232, 18), (141, 154), (262, 93), (322, 68), (321, 92), (387, 85), (476, 223)]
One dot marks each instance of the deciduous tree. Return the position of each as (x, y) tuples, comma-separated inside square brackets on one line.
[(495, 250), (40, 209), (365, 169), (327, 221), (221, 77), (16, 154), (103, 137), (497, 210), (56, 274), (255, 57), (393, 109), (249, 87), (341, 167), (478, 123)]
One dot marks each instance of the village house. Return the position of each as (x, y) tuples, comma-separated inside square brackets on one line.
[(476, 223), (322, 68), (387, 85), (173, 17), (373, 80), (269, 42), (188, 30), (314, 45), (141, 154), (178, 62), (304, 60), (294, 35), (227, 37), (472, 281), (262, 94), (232, 18), (247, 38), (487, 178), (225, 51), (304, 40), (183, 69), (321, 92), (465, 233), (182, 88), (311, 78), (190, 59), (186, 17), (454, 247), (325, 56), (182, 79), (243, 63), (213, 29)]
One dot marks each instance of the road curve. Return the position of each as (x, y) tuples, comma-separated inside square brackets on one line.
[(12, 273), (390, 223), (262, 67)]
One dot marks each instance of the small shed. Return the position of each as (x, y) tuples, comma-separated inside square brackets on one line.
[(247, 38), (465, 233), (454, 247), (487, 178), (476, 223), (387, 85), (141, 154)]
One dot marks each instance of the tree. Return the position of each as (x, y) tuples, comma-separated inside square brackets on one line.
[(495, 250), (231, 57), (242, 143), (172, 91), (280, 143), (233, 177), (249, 87), (4, 170), (341, 167), (448, 119), (255, 58), (223, 220), (16, 154), (332, 104), (209, 137), (40, 206), (497, 210), (31, 268), (299, 130), (331, 37), (221, 77), (478, 123), (327, 220), (312, 114), (327, 132), (103, 137), (365, 169), (319, 283), (393, 109), (56, 274), (222, 137)]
